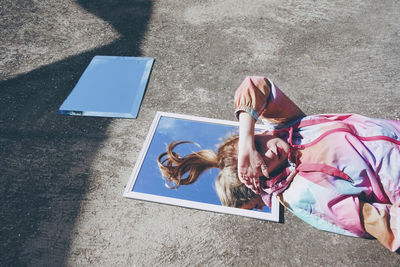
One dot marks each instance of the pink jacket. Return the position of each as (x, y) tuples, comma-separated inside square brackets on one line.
[(343, 174)]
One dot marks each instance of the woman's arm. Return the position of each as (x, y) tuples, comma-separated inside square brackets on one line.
[(258, 97), (250, 163)]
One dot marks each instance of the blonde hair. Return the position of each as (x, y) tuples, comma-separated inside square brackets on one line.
[(230, 190)]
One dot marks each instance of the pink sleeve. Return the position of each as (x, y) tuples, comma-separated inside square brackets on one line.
[(259, 97)]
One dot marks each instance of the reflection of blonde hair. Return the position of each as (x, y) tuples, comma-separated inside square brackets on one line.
[(230, 190)]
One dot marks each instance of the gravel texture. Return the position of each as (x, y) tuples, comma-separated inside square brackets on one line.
[(62, 178)]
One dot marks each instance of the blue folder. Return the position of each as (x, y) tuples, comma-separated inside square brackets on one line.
[(110, 86)]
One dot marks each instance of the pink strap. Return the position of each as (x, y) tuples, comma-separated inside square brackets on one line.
[(379, 137), (316, 167), (327, 118), (306, 123), (346, 130)]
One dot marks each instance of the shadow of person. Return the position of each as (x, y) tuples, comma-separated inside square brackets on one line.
[(45, 157)]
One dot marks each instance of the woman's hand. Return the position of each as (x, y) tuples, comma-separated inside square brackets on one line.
[(250, 163), (250, 167)]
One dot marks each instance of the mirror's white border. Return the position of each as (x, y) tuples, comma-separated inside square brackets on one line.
[(272, 216)]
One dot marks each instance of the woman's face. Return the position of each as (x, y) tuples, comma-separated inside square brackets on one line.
[(274, 150)]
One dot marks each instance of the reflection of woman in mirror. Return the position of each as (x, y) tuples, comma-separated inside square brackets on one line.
[(230, 190), (337, 172)]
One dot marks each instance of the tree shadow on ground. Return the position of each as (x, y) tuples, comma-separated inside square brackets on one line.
[(46, 157)]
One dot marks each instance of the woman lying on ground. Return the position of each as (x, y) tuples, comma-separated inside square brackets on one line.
[(337, 172)]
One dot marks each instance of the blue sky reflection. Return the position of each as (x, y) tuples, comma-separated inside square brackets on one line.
[(208, 135)]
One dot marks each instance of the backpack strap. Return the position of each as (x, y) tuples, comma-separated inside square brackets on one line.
[(316, 167)]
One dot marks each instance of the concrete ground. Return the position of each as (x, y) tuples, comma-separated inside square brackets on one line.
[(62, 178)]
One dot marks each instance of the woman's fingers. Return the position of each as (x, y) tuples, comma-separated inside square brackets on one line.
[(256, 185), (243, 177), (257, 171), (251, 167), (250, 177), (251, 185), (251, 182), (264, 170)]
